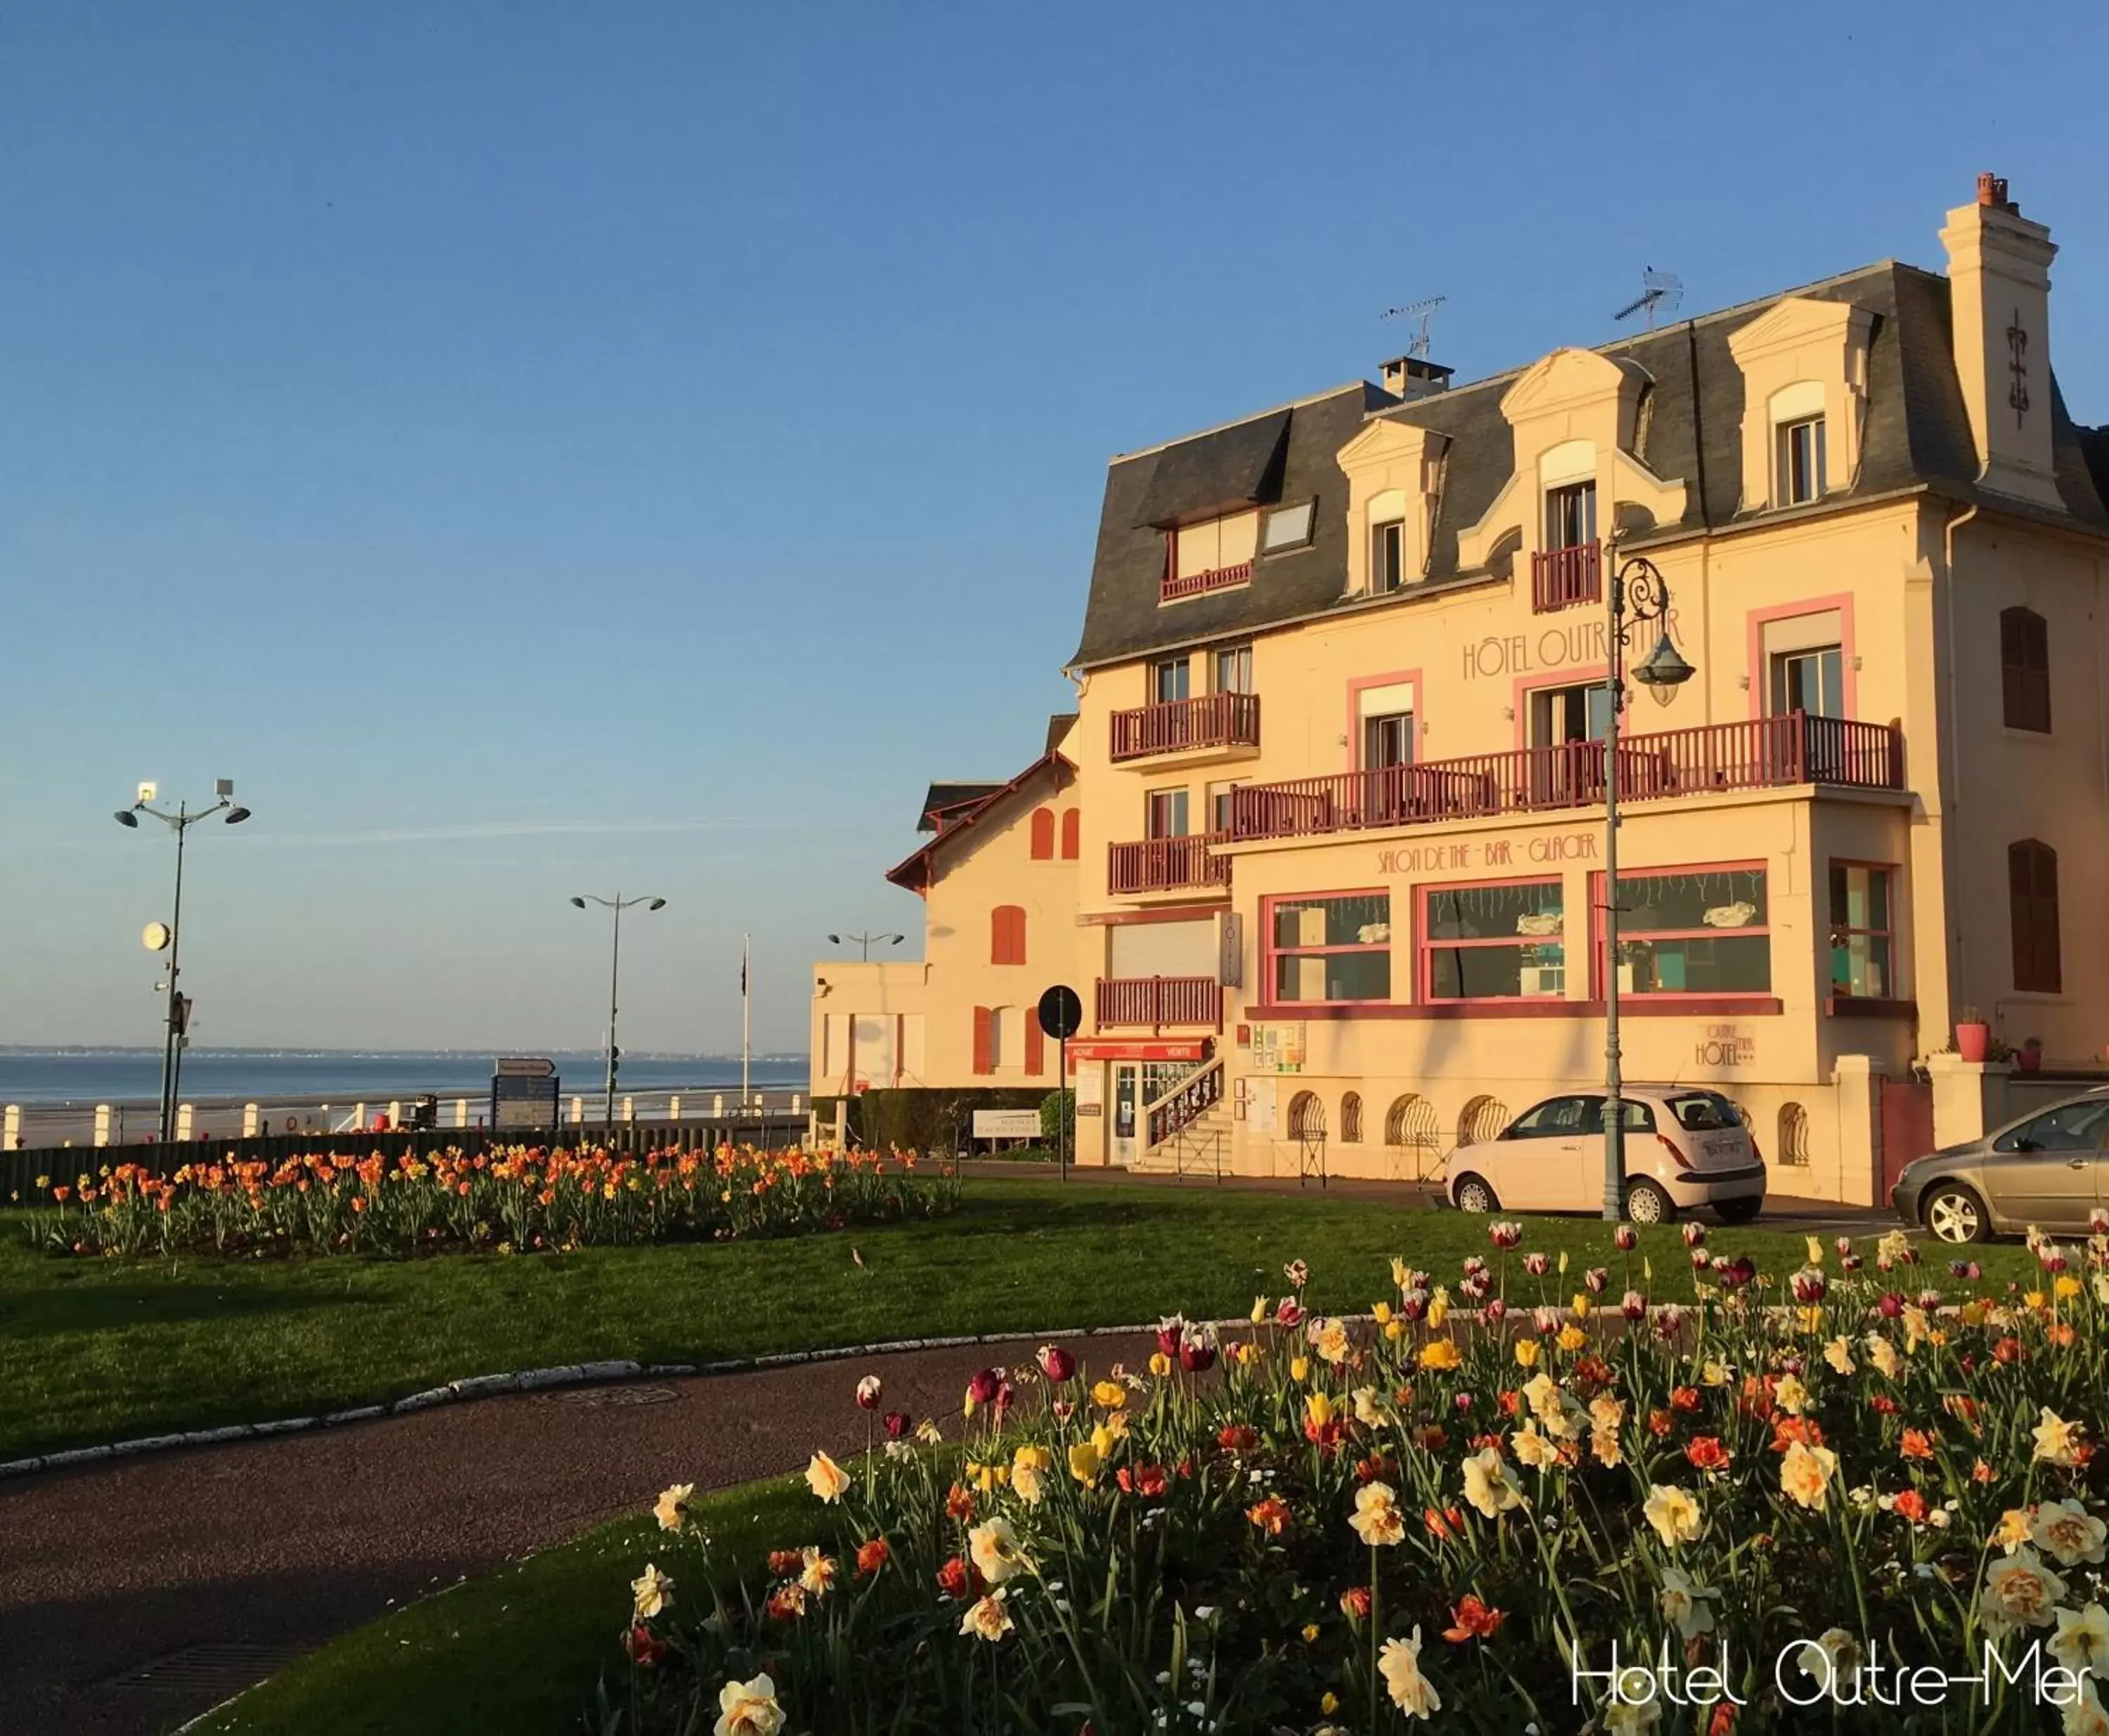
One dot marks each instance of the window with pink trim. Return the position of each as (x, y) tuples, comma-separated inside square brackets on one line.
[(1692, 931), (1499, 940), (1333, 946)]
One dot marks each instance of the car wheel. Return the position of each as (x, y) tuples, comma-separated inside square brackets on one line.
[(1955, 1213), (1744, 1211), (1474, 1195), (1645, 1203)]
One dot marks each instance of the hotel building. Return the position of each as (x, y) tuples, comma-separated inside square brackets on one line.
[(1321, 846)]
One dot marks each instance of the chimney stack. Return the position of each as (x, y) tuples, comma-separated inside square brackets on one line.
[(1415, 376), (1999, 275)]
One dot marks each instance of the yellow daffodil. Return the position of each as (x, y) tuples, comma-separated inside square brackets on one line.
[(1838, 1354), (1376, 1517), (672, 1506), (2081, 1643), (992, 1547), (1366, 1407), (987, 1619), (1399, 1664), (651, 1592), (2019, 1591), (1673, 1512), (2057, 1442), (2072, 1534), (1487, 1484), (826, 1479), (1806, 1474), (748, 1709)]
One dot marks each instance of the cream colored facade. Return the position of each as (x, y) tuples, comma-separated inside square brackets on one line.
[(1881, 803)]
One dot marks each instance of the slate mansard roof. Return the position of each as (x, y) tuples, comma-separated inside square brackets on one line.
[(1915, 436)]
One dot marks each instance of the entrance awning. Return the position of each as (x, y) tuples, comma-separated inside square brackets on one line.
[(1174, 1048)]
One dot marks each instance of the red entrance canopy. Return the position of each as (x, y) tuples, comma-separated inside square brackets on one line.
[(1176, 1049)]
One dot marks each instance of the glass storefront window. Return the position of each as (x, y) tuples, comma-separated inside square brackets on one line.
[(1502, 942), (1860, 932), (1331, 948), (1694, 931)]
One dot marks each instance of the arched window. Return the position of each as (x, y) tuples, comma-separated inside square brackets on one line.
[(2032, 899), (1043, 834), (1306, 1116), (2025, 670), (1007, 934), (1412, 1130), (1794, 1134), (1483, 1119), (1351, 1118), (1069, 826)]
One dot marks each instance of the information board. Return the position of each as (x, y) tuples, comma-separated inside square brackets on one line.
[(1006, 1124), (523, 1092)]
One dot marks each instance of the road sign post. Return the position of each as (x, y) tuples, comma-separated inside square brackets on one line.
[(1061, 1016)]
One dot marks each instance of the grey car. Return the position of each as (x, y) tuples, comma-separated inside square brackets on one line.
[(2049, 1169)]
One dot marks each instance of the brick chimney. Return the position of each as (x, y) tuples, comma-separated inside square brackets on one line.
[(1999, 274)]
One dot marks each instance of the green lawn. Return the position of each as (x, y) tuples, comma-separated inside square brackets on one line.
[(518, 1650), (94, 1351)]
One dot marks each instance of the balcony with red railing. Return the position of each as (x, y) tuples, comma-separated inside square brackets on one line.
[(1166, 865), (1177, 586), (1159, 1001), (1750, 754), (1225, 723), (1561, 578)]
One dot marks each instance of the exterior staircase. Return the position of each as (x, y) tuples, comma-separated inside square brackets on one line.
[(1188, 1127)]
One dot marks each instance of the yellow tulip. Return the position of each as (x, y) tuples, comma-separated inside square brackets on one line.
[(1526, 1353), (1440, 1353), (1160, 1365), (1317, 1410), (1816, 1251), (2067, 1286), (1299, 1369), (1084, 1462), (2033, 1298), (1381, 1313), (1110, 1395), (1563, 1262), (1259, 1309), (1439, 1311), (1572, 1338), (1581, 1305), (1394, 1330)]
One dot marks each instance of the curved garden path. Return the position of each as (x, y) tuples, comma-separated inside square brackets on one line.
[(285, 1542)]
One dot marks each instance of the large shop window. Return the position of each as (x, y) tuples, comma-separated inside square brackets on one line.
[(1331, 948), (1505, 942), (1861, 940), (1694, 931)]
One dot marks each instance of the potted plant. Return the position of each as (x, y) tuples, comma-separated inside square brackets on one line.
[(1973, 1036), (2028, 1058)]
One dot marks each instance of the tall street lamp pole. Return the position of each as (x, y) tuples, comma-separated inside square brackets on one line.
[(176, 1020), (865, 942), (618, 904), (1638, 595)]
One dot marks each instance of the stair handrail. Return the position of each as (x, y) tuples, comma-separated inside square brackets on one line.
[(1188, 1099)]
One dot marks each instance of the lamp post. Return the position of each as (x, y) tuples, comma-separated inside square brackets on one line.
[(865, 942), (177, 1017), (1637, 595), (618, 904)]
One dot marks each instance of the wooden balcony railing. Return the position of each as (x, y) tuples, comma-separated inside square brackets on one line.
[(1752, 753), (1159, 1001), (1212, 720), (1560, 578), (1185, 1103), (1197, 584), (1165, 865)]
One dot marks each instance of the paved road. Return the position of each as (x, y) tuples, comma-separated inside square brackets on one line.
[(275, 1546)]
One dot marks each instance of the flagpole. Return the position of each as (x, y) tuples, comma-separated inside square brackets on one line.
[(745, 1002)]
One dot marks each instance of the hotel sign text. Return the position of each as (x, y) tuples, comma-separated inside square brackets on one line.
[(1553, 648), (1468, 854)]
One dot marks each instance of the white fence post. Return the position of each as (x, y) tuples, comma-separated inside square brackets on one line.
[(674, 1108), (11, 1126), (717, 1104), (578, 1111), (102, 1124), (797, 1098), (394, 1116), (183, 1112), (460, 1112), (842, 1124), (359, 1117), (252, 1121)]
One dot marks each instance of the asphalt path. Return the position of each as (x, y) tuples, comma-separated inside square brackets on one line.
[(137, 1593)]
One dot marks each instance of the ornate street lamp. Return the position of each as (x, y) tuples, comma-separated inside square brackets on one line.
[(618, 904), (177, 1019), (865, 942), (1638, 596)]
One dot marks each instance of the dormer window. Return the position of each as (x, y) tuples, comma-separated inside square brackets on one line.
[(1799, 462), (1211, 555), (1388, 555), (1289, 527), (1570, 516)]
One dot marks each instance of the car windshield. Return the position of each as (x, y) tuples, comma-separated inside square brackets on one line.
[(1704, 1112)]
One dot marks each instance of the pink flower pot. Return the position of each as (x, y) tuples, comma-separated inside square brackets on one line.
[(1973, 1041), (2028, 1060)]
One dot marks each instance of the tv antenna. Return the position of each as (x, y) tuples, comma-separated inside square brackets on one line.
[(1660, 292), (1424, 311)]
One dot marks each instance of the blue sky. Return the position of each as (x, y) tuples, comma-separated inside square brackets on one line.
[(538, 449)]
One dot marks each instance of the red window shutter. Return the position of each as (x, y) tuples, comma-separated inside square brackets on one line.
[(996, 936), (1036, 1048), (1069, 832), (982, 1017), (1007, 934), (1043, 834), (1017, 934)]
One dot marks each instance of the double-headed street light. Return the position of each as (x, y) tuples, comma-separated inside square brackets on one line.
[(865, 942), (178, 1016), (618, 904), (1638, 596)]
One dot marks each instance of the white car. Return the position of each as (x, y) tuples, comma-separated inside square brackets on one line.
[(1685, 1149)]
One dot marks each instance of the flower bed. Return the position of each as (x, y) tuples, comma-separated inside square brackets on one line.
[(512, 1200), (1742, 1517)]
